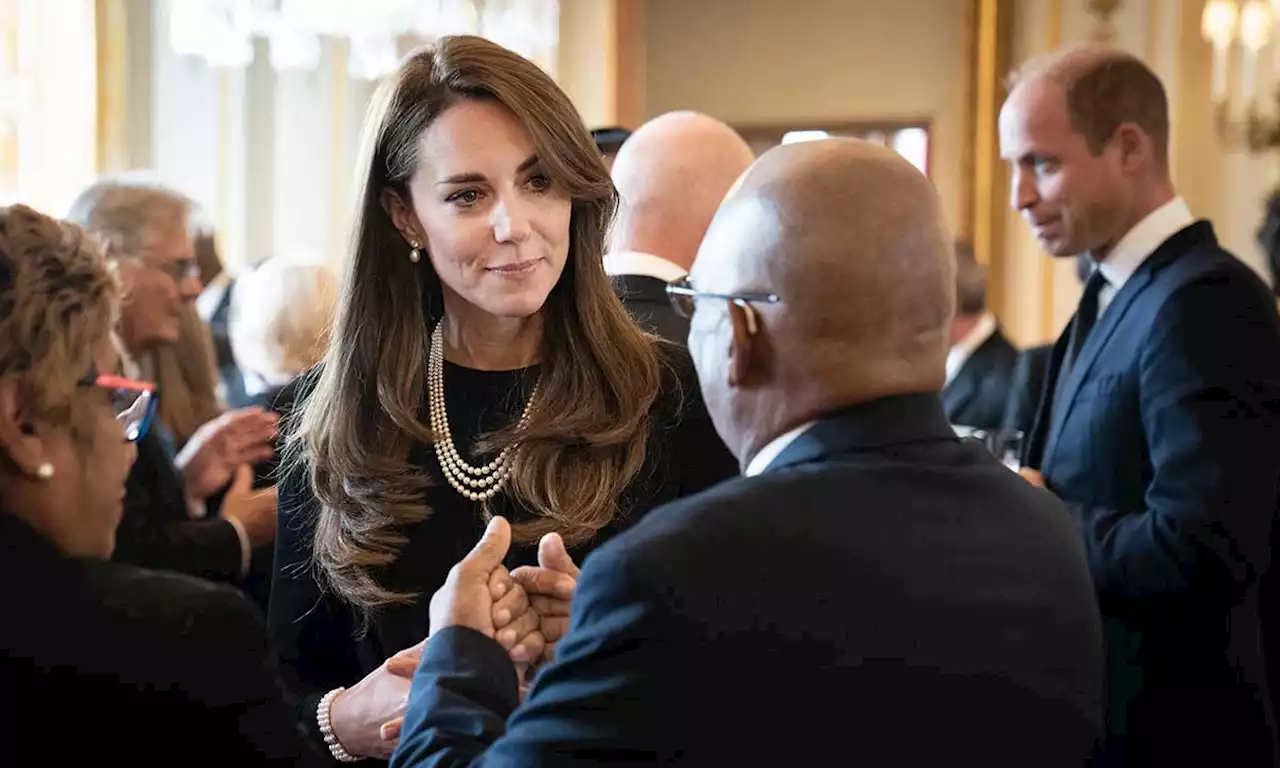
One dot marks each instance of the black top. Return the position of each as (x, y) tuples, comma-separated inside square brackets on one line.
[(883, 591), (164, 669), (317, 635)]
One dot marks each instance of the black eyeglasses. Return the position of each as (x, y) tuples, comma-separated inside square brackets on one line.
[(684, 298)]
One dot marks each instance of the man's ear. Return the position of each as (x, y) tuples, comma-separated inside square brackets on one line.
[(1135, 146), (401, 214), (743, 349), (19, 438)]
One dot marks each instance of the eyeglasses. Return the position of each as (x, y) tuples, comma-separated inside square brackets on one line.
[(684, 298), (134, 402)]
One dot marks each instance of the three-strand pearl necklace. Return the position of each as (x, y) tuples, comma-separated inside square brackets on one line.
[(475, 483)]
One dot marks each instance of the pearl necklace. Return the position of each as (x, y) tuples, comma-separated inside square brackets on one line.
[(475, 483)]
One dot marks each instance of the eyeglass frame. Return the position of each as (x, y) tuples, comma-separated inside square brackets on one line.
[(145, 389), (684, 288)]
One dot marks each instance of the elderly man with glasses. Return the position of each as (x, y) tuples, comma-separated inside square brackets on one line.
[(191, 510), (873, 591)]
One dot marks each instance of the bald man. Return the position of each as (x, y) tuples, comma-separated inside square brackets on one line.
[(873, 592), (671, 175), (1161, 422)]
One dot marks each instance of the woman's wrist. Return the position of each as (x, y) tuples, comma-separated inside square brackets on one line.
[(325, 721)]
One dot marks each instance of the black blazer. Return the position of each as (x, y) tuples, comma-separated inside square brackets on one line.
[(646, 300), (109, 663), (1029, 375), (1166, 448), (157, 530), (883, 591), (979, 393)]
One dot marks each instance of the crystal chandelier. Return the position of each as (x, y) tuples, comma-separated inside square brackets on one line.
[(222, 31)]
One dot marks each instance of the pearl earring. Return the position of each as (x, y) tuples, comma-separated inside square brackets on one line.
[(45, 471), (415, 251)]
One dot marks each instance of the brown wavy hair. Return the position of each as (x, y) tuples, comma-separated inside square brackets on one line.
[(58, 303), (187, 373), (600, 375)]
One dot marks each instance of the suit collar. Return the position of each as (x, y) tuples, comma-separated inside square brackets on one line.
[(1198, 235), (1143, 240), (883, 423)]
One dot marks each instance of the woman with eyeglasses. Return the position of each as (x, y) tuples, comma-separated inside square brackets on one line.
[(480, 365), (103, 660)]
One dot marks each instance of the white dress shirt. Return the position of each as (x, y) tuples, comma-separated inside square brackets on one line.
[(640, 263), (964, 349), (765, 456), (1138, 244)]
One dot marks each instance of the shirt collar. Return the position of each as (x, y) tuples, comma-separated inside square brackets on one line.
[(640, 263), (964, 349), (1141, 241), (765, 456)]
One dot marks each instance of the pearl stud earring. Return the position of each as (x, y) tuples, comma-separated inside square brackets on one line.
[(45, 471)]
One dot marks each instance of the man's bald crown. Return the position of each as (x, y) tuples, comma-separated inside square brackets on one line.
[(850, 236), (671, 175)]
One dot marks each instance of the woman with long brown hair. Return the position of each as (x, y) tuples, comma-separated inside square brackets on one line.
[(480, 365)]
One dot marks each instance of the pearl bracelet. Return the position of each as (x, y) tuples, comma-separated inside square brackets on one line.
[(326, 729)]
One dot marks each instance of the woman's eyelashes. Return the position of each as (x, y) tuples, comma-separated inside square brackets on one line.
[(538, 183)]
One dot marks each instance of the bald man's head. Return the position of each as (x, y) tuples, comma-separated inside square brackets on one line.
[(671, 175), (851, 239)]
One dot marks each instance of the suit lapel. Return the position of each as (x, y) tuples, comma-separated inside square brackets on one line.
[(1033, 455), (1182, 241), (1093, 345)]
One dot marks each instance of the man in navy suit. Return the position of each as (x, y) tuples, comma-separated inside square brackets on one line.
[(1161, 422), (874, 590)]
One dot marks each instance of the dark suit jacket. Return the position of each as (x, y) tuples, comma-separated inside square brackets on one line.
[(1166, 448), (883, 591), (157, 530), (1029, 375), (109, 663), (979, 393), (646, 299)]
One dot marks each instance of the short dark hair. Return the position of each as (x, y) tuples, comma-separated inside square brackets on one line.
[(1105, 88)]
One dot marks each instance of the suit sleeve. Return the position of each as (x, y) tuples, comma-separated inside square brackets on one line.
[(595, 703), (234, 675), (1210, 405), (313, 631), (157, 531)]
